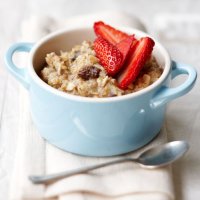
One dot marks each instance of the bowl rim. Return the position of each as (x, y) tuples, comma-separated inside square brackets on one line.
[(34, 76)]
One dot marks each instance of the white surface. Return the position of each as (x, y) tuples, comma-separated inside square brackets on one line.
[(171, 26), (46, 159), (182, 115)]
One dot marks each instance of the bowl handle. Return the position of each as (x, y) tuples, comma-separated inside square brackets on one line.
[(166, 94), (19, 73)]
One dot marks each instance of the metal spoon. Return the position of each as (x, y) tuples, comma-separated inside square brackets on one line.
[(152, 158)]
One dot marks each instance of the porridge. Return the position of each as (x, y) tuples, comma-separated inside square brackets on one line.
[(85, 71)]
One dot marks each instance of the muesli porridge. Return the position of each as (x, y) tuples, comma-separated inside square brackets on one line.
[(80, 72)]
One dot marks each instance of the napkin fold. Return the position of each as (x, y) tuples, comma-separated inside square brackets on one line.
[(34, 156)]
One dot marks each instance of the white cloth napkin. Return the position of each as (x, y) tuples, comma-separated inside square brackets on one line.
[(125, 181)]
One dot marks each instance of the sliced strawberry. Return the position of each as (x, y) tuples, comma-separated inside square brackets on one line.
[(109, 33), (136, 62), (125, 45), (109, 55)]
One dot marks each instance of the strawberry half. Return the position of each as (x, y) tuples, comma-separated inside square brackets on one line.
[(109, 55), (125, 45), (135, 62), (109, 33)]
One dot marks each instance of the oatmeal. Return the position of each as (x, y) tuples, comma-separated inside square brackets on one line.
[(114, 64), (79, 72)]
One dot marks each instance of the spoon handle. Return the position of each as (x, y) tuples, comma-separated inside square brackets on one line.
[(54, 177)]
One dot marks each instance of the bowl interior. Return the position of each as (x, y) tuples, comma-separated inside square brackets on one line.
[(65, 40)]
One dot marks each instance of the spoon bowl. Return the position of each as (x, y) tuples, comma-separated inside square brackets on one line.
[(163, 155)]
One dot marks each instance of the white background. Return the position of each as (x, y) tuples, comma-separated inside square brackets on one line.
[(183, 116)]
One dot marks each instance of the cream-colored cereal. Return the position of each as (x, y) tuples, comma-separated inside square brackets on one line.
[(63, 73)]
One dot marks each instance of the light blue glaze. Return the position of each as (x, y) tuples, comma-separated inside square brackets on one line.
[(19, 73), (99, 129)]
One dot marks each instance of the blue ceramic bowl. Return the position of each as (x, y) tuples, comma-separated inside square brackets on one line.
[(96, 126)]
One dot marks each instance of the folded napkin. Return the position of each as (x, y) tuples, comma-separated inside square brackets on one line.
[(34, 156)]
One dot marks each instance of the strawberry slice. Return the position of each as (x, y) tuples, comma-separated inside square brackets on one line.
[(125, 45), (135, 62), (109, 33), (109, 55)]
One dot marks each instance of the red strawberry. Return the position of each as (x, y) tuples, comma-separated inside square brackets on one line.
[(136, 62), (109, 33), (125, 45), (110, 57)]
